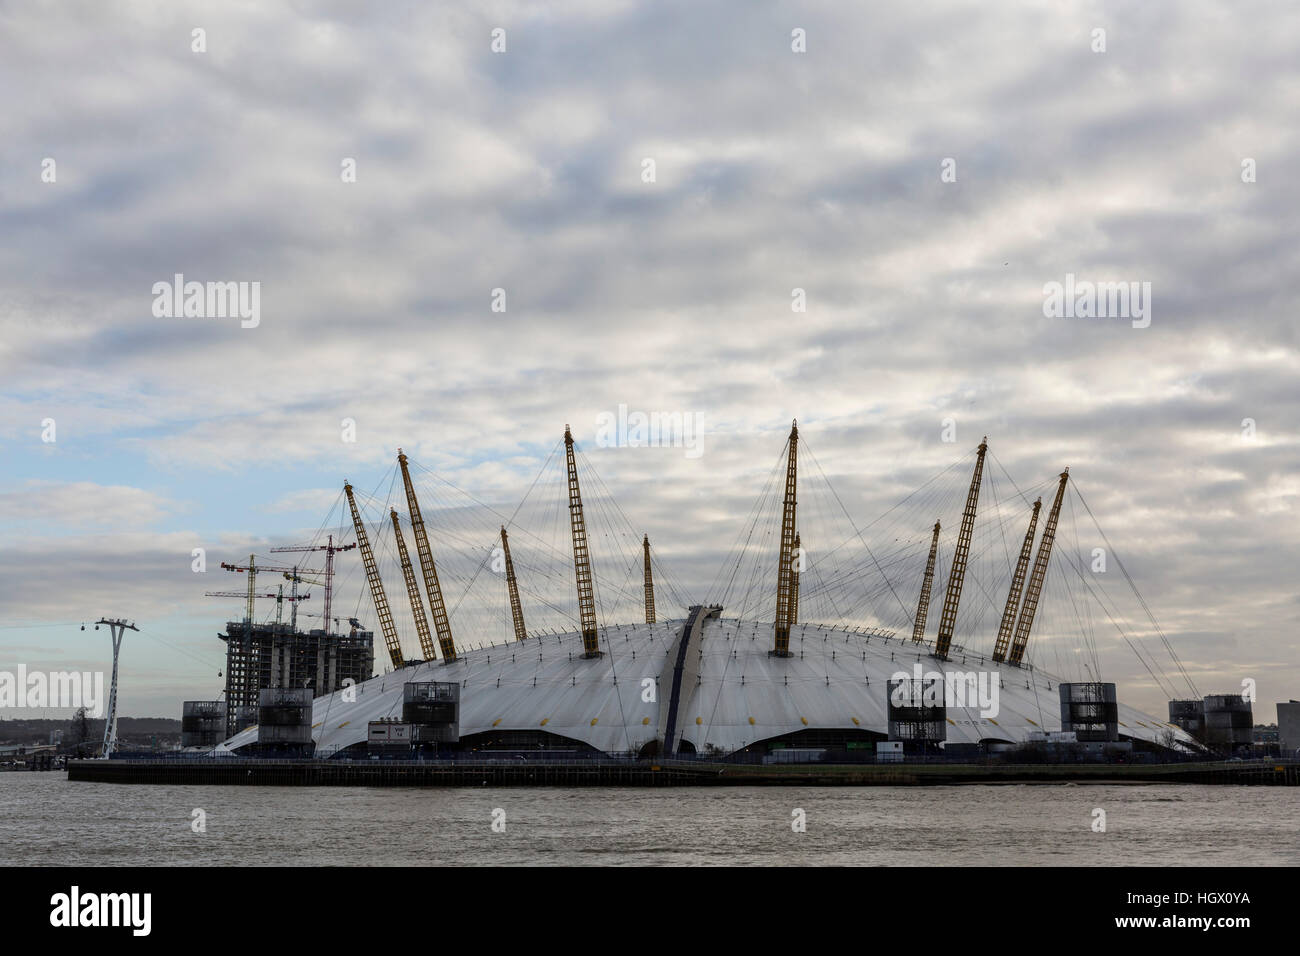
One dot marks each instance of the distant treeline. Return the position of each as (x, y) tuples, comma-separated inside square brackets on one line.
[(24, 731)]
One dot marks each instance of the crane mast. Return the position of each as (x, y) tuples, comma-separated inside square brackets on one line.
[(251, 568), (512, 587), (1017, 585), (251, 595), (413, 591), (923, 605), (956, 576), (581, 556), (376, 585), (1036, 579), (784, 580), (330, 549), (649, 583), (428, 569)]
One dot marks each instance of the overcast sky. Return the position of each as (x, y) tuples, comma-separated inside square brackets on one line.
[(1170, 158)]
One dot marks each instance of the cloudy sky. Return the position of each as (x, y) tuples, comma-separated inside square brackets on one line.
[(1169, 157)]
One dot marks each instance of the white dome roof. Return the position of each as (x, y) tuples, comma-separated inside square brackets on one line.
[(835, 678)]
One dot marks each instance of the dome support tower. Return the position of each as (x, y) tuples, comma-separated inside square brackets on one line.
[(1036, 579), (512, 586), (413, 591), (376, 585), (581, 556), (952, 595), (784, 573), (1017, 585), (428, 569), (923, 605), (649, 583)]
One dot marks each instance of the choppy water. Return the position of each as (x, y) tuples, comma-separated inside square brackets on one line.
[(45, 819)]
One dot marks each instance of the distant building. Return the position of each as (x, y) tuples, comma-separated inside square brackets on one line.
[(1288, 727), (1229, 723)]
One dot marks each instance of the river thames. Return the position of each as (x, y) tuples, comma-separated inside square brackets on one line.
[(47, 820)]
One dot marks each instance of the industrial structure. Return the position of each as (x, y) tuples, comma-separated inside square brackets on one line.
[(1090, 711), (203, 723), (118, 628), (704, 682), (1223, 723)]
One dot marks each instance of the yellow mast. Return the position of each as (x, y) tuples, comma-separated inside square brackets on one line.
[(784, 580), (923, 605), (512, 586), (1017, 585), (581, 556), (376, 585), (413, 592), (649, 583), (957, 574), (1036, 579), (794, 581), (441, 623)]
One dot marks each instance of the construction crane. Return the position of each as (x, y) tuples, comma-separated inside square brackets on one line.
[(512, 588), (581, 556), (376, 585), (1017, 585), (957, 573), (297, 579), (649, 583), (923, 605), (441, 623), (330, 549), (1036, 579), (278, 595), (784, 581), (794, 581), (251, 568), (413, 591)]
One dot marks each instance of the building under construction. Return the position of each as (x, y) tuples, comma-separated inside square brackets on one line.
[(698, 683), (265, 656)]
